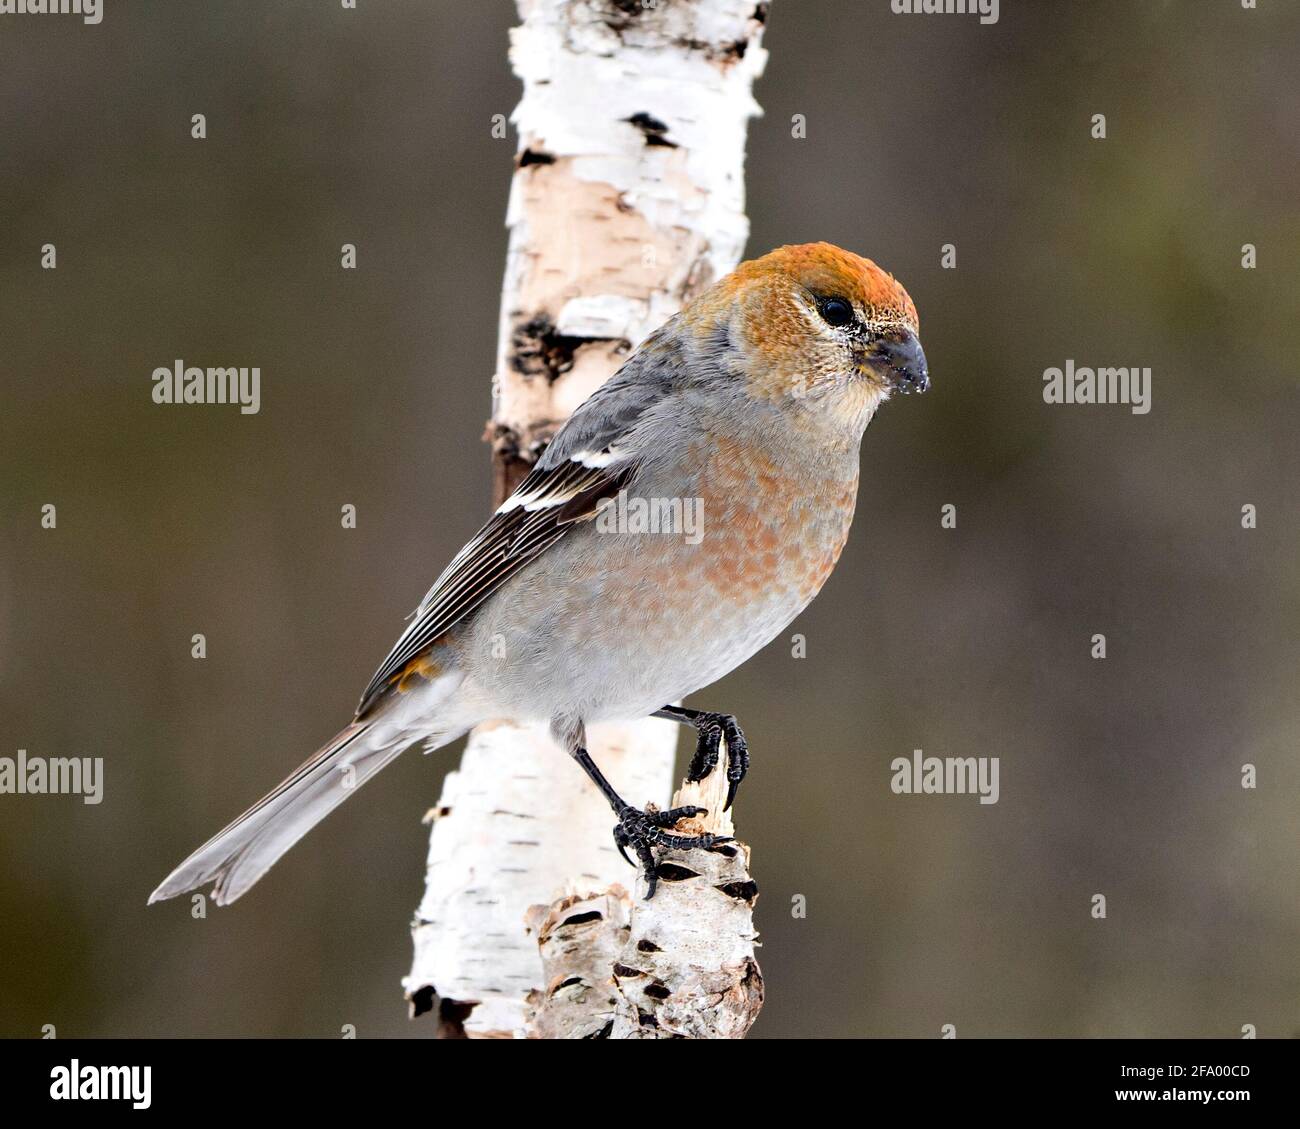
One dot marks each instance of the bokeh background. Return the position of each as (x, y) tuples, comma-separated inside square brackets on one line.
[(327, 126)]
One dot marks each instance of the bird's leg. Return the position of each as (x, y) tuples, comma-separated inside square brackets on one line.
[(642, 830), (712, 727)]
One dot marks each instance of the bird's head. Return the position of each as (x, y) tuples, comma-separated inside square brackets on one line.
[(819, 326)]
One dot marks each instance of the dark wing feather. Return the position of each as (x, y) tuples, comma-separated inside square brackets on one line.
[(583, 466), (507, 543)]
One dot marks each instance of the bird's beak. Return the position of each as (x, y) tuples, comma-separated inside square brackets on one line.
[(897, 357)]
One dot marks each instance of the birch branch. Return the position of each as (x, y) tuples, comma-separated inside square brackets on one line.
[(627, 199)]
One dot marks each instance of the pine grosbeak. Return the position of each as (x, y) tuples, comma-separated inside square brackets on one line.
[(748, 406)]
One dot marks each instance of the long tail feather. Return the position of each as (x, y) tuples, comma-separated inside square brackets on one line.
[(238, 856)]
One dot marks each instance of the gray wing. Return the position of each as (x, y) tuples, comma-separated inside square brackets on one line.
[(612, 412), (589, 460)]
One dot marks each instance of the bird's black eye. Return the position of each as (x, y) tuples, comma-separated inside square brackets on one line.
[(835, 311)]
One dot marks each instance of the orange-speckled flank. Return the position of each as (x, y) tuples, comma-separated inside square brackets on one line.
[(748, 501)]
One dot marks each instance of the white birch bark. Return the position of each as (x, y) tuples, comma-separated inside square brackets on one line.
[(627, 199), (681, 965)]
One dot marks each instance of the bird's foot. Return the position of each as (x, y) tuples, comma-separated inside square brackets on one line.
[(643, 830), (712, 728)]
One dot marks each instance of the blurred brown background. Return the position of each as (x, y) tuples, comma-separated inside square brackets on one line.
[(328, 126)]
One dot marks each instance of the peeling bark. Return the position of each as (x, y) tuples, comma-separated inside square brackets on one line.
[(627, 199), (681, 965)]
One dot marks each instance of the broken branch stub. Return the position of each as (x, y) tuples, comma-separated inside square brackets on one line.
[(680, 965)]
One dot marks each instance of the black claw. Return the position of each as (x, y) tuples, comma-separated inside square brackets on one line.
[(619, 844), (705, 759), (673, 816), (713, 727), (641, 830), (737, 762), (732, 787), (647, 858)]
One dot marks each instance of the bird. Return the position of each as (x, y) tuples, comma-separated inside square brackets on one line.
[(745, 409)]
